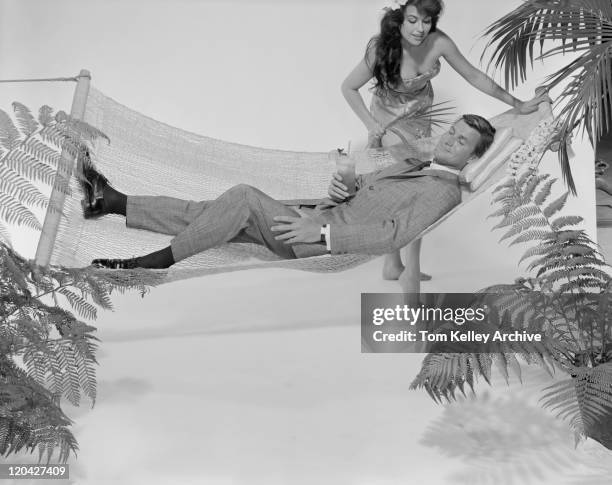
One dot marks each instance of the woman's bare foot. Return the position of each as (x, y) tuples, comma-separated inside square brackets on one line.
[(425, 276), (393, 266), (392, 272)]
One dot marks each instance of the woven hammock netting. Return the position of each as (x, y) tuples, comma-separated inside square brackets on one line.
[(147, 157)]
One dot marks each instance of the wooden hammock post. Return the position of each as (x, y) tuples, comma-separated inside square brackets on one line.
[(64, 172)]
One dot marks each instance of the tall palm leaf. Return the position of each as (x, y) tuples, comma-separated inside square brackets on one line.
[(580, 26)]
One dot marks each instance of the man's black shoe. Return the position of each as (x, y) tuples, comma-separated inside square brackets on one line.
[(115, 263), (93, 189)]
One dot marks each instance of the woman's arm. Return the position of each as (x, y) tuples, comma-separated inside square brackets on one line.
[(357, 78), (480, 80)]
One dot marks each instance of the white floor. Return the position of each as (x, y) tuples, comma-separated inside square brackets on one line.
[(257, 378)]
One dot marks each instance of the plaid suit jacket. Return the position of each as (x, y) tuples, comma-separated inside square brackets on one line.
[(391, 207)]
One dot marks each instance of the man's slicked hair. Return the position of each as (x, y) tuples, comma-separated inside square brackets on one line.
[(486, 130)]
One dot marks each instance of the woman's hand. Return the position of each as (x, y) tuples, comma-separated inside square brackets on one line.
[(526, 107), (337, 191), (375, 129)]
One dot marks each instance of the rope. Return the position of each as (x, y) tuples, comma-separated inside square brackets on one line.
[(51, 79)]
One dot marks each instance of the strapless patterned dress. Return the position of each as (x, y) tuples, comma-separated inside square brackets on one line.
[(396, 108)]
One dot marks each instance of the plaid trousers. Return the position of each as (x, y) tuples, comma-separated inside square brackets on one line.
[(241, 214)]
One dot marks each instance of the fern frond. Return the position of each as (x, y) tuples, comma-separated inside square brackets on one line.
[(78, 130), (561, 222), (91, 133), (539, 250), (505, 184), (9, 135), (519, 227), (52, 135), (580, 284), (565, 273), (28, 415), (5, 236), (45, 115), (502, 364), (533, 235), (50, 439), (27, 166), (14, 212), (98, 290), (584, 399), (441, 373), (485, 362), (517, 215), (20, 188), (505, 194), (55, 376), (524, 178), (529, 188), (567, 254), (26, 121), (577, 249), (551, 264), (504, 210), (556, 205), (577, 235), (544, 192), (71, 385), (514, 366), (43, 153), (36, 364), (83, 307)]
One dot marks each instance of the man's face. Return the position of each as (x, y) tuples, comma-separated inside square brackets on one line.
[(457, 145)]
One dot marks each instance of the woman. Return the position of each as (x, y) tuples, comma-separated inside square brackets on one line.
[(402, 59)]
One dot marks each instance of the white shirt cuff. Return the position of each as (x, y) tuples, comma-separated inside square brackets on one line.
[(326, 231)]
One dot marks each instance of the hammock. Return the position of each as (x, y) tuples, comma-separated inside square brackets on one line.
[(146, 157)]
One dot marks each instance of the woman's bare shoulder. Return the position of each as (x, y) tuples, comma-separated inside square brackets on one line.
[(370, 50), (441, 43), (440, 38)]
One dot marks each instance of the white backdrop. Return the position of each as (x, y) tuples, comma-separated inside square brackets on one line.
[(264, 73)]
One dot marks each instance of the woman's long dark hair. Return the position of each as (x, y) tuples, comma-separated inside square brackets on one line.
[(387, 45)]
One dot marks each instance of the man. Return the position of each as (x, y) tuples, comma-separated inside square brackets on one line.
[(390, 208)]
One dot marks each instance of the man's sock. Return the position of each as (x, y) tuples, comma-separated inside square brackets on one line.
[(157, 260), (114, 201)]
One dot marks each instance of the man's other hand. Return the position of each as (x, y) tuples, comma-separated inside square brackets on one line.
[(297, 229), (337, 191)]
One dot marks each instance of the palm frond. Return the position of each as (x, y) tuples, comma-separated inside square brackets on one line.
[(580, 26), (437, 114)]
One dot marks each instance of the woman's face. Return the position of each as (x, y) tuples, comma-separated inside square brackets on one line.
[(416, 26)]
